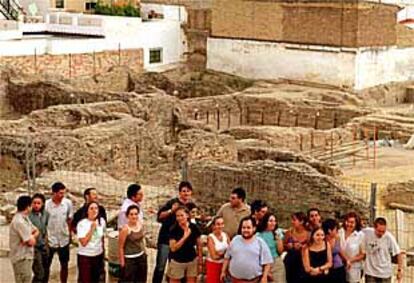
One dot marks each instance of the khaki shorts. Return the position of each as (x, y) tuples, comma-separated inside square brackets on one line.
[(178, 270)]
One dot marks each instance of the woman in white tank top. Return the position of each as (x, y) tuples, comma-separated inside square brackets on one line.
[(217, 243)]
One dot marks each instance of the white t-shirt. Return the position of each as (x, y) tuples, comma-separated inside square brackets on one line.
[(57, 227), (94, 246), (379, 252)]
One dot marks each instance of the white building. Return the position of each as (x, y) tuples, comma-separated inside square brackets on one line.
[(162, 40)]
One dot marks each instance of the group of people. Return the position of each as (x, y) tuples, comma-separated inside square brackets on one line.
[(42, 228), (244, 242)]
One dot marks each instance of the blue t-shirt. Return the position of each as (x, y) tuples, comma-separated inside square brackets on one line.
[(247, 259), (270, 241)]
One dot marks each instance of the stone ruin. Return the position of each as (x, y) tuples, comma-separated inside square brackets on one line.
[(152, 127), (287, 187)]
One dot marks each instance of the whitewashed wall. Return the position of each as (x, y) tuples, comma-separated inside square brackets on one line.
[(170, 12), (23, 47), (384, 65), (266, 60), (356, 68), (119, 32)]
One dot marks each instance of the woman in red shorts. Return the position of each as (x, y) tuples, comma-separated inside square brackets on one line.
[(217, 243)]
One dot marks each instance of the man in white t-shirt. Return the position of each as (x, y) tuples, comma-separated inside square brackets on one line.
[(380, 247), (135, 196), (59, 236)]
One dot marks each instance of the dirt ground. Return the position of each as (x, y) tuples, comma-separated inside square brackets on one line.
[(390, 165)]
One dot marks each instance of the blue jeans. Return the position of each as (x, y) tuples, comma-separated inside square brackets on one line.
[(163, 251)]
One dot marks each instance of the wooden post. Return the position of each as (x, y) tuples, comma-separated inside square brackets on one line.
[(196, 114), (262, 116), (335, 122), (279, 114), (331, 146), (316, 119), (241, 116), (94, 63), (229, 119), (208, 117), (312, 141), (137, 155), (70, 65), (35, 61), (297, 119), (353, 146), (119, 54), (366, 133), (33, 166), (301, 142), (174, 121), (27, 160), (218, 118), (375, 147)]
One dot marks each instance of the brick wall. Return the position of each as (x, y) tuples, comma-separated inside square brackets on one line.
[(247, 19), (198, 30), (199, 19), (405, 36), (76, 64), (377, 25), (324, 23), (315, 23)]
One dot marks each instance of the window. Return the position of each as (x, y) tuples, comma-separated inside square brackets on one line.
[(155, 55), (60, 3), (90, 6)]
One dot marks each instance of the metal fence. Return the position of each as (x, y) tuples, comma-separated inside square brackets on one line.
[(27, 165), (399, 223)]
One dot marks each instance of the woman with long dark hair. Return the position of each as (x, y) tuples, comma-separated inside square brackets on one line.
[(90, 232), (317, 258), (337, 273), (351, 239), (269, 232), (131, 248), (295, 239)]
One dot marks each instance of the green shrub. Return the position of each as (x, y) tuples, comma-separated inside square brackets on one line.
[(127, 10)]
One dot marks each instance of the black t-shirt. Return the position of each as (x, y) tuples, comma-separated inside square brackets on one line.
[(187, 252), (167, 222)]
